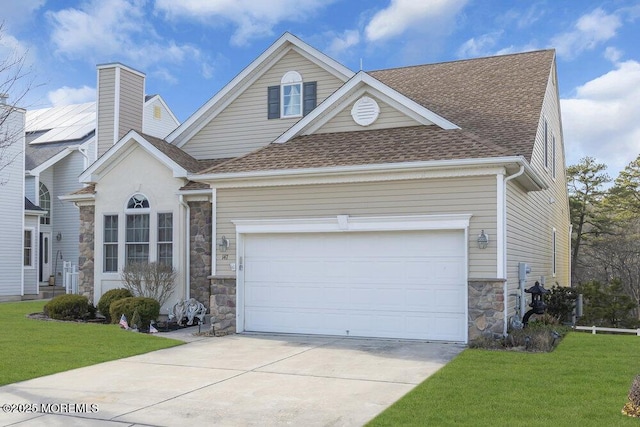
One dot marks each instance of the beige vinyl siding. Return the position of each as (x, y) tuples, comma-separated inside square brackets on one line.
[(106, 108), (243, 125), (389, 117), (531, 217), (131, 102), (474, 195)]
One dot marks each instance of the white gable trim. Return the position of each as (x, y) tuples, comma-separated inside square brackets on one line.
[(235, 87), (118, 151), (52, 161), (350, 90)]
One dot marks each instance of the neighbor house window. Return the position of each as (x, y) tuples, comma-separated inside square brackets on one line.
[(110, 243), (165, 238), (292, 98), (546, 144), (553, 261), (553, 155), (28, 248), (45, 203), (137, 230)]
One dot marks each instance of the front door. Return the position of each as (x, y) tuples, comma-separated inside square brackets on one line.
[(45, 256)]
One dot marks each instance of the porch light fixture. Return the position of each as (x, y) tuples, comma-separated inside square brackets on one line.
[(224, 244), (483, 240)]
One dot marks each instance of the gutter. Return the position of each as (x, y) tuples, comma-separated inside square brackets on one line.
[(187, 249), (503, 273)]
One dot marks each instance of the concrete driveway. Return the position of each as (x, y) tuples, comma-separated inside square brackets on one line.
[(235, 380)]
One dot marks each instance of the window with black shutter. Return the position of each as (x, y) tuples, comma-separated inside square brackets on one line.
[(273, 102)]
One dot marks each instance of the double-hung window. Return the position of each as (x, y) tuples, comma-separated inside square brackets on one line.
[(137, 230), (291, 94), (165, 238), (291, 98), (110, 238), (28, 248)]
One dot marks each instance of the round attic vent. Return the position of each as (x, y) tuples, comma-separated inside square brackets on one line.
[(365, 111)]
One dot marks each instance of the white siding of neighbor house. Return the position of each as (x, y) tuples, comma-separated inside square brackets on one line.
[(12, 207), (243, 125), (157, 126), (531, 217), (137, 172), (31, 272), (470, 195), (67, 215), (388, 117)]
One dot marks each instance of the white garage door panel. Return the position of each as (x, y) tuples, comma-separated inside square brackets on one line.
[(378, 284)]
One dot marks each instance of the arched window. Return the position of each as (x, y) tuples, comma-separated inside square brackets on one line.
[(137, 229), (291, 94), (45, 203)]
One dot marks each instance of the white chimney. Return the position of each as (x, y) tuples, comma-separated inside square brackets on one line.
[(119, 105)]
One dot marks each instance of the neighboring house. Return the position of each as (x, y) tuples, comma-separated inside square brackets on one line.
[(15, 251), (60, 144), (305, 198)]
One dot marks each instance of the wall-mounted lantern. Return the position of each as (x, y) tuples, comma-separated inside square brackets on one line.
[(483, 240), (224, 244)]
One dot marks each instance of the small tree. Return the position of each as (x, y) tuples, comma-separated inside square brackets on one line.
[(607, 305), (153, 280), (560, 302)]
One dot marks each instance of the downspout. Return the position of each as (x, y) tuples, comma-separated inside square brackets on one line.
[(503, 273), (187, 249)]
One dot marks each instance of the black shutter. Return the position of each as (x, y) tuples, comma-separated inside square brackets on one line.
[(310, 97), (273, 102)]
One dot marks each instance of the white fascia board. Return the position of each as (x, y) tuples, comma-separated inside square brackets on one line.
[(55, 159), (306, 50), (77, 197), (105, 162), (389, 95), (346, 223), (425, 169)]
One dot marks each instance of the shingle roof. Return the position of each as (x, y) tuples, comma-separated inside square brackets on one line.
[(29, 206), (89, 189), (496, 101), (37, 154), (176, 154)]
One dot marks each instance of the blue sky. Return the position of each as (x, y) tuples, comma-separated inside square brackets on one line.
[(189, 49)]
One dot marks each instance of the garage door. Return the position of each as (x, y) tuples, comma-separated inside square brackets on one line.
[(368, 284)]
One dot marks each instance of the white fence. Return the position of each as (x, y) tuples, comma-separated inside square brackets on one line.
[(595, 329), (70, 277)]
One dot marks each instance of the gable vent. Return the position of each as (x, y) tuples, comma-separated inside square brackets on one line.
[(365, 111)]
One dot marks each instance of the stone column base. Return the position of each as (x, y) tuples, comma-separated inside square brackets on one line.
[(222, 304), (486, 307)]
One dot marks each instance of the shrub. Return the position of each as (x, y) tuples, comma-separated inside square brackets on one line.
[(148, 309), (607, 305), (537, 336), (108, 298), (560, 302), (152, 280), (67, 307), (632, 408)]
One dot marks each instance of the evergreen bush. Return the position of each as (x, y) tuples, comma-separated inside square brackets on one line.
[(67, 307), (148, 309), (108, 298)]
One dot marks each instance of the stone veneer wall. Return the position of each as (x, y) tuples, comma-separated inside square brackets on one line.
[(486, 307), (86, 249), (223, 304), (200, 247)]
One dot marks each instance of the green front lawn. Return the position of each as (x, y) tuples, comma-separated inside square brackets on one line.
[(584, 382), (33, 348)]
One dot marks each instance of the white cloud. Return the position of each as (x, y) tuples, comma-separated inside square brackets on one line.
[(340, 43), (403, 15), (601, 120), (252, 18), (612, 54), (15, 13), (113, 29), (69, 95), (589, 31), (480, 46)]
